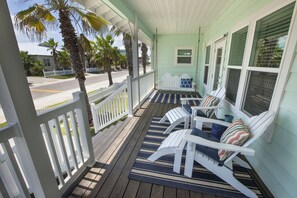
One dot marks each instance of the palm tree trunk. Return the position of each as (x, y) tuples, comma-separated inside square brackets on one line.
[(128, 48), (71, 44), (109, 77), (55, 56)]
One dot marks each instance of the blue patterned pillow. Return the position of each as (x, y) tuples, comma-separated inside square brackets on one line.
[(186, 83)]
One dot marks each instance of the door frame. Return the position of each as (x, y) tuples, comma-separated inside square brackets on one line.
[(220, 43)]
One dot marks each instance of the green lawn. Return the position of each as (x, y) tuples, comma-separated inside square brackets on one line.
[(3, 124), (63, 77)]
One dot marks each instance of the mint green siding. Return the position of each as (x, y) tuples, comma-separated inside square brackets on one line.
[(166, 53), (275, 162)]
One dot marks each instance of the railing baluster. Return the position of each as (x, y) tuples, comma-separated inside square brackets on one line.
[(16, 170), (46, 131), (52, 131), (69, 138), (76, 136), (62, 145), (3, 189)]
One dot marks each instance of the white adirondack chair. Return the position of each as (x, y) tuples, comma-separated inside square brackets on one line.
[(186, 113), (223, 169)]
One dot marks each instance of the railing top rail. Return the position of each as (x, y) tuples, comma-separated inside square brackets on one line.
[(144, 75), (112, 95), (59, 110), (8, 132)]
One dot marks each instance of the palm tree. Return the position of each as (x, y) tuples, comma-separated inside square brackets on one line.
[(27, 61), (52, 45), (144, 56), (35, 18), (104, 53), (127, 41), (64, 59)]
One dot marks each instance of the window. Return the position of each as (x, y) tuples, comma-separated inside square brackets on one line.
[(46, 62), (237, 48), (268, 46), (206, 66), (184, 56)]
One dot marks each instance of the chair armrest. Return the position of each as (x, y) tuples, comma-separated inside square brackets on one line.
[(211, 121), (187, 99), (217, 145), (194, 108)]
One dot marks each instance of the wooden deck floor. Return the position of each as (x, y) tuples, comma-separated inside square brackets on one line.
[(115, 151)]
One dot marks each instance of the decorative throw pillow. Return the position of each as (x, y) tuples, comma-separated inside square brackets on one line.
[(209, 101), (237, 133), (186, 82)]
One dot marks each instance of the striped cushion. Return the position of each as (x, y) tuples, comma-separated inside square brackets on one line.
[(209, 101), (237, 133)]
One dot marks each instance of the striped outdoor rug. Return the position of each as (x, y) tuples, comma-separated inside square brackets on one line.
[(160, 172), (173, 98)]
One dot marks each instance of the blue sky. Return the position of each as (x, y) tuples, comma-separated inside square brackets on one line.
[(25, 44)]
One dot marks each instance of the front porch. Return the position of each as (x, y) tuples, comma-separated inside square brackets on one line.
[(115, 152)]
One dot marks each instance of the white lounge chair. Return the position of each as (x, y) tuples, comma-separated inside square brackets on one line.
[(204, 151), (186, 113)]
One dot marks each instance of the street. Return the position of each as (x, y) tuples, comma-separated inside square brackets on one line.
[(48, 91)]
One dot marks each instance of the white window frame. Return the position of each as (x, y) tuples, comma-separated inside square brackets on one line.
[(207, 64), (176, 56), (285, 64)]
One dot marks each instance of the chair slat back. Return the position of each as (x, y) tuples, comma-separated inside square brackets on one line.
[(257, 125)]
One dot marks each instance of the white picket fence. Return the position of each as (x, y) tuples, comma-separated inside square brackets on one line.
[(94, 70), (68, 141), (110, 109), (57, 72)]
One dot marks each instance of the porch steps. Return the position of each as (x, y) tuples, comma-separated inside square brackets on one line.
[(103, 140)]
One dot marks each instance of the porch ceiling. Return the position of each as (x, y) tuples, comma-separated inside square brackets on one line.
[(176, 16)]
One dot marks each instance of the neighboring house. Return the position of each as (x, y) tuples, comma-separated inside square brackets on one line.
[(47, 60)]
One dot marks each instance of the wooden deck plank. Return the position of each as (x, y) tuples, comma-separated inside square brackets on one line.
[(181, 193), (169, 192), (121, 169), (131, 190), (157, 191), (144, 190)]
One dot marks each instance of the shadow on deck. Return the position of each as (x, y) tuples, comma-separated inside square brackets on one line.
[(115, 151)]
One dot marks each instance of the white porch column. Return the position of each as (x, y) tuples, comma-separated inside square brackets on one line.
[(135, 56), (18, 108)]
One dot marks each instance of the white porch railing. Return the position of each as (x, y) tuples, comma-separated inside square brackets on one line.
[(12, 180), (68, 141), (105, 91), (94, 69), (146, 86), (58, 72), (110, 109)]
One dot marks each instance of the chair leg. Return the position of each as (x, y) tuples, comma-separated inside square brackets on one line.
[(189, 159), (242, 163), (163, 119), (177, 160), (224, 173), (173, 125)]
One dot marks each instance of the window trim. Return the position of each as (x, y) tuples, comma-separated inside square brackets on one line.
[(285, 64), (176, 56), (207, 65)]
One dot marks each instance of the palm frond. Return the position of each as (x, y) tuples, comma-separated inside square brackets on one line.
[(33, 20)]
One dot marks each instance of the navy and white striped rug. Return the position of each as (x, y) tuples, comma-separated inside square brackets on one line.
[(173, 98), (160, 172)]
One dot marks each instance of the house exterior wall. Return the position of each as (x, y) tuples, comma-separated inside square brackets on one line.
[(166, 53), (50, 58), (275, 162)]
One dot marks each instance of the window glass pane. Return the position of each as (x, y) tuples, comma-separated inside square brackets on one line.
[(184, 52), (186, 60), (207, 55), (237, 47), (205, 75), (217, 68), (232, 84), (270, 38), (259, 92)]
